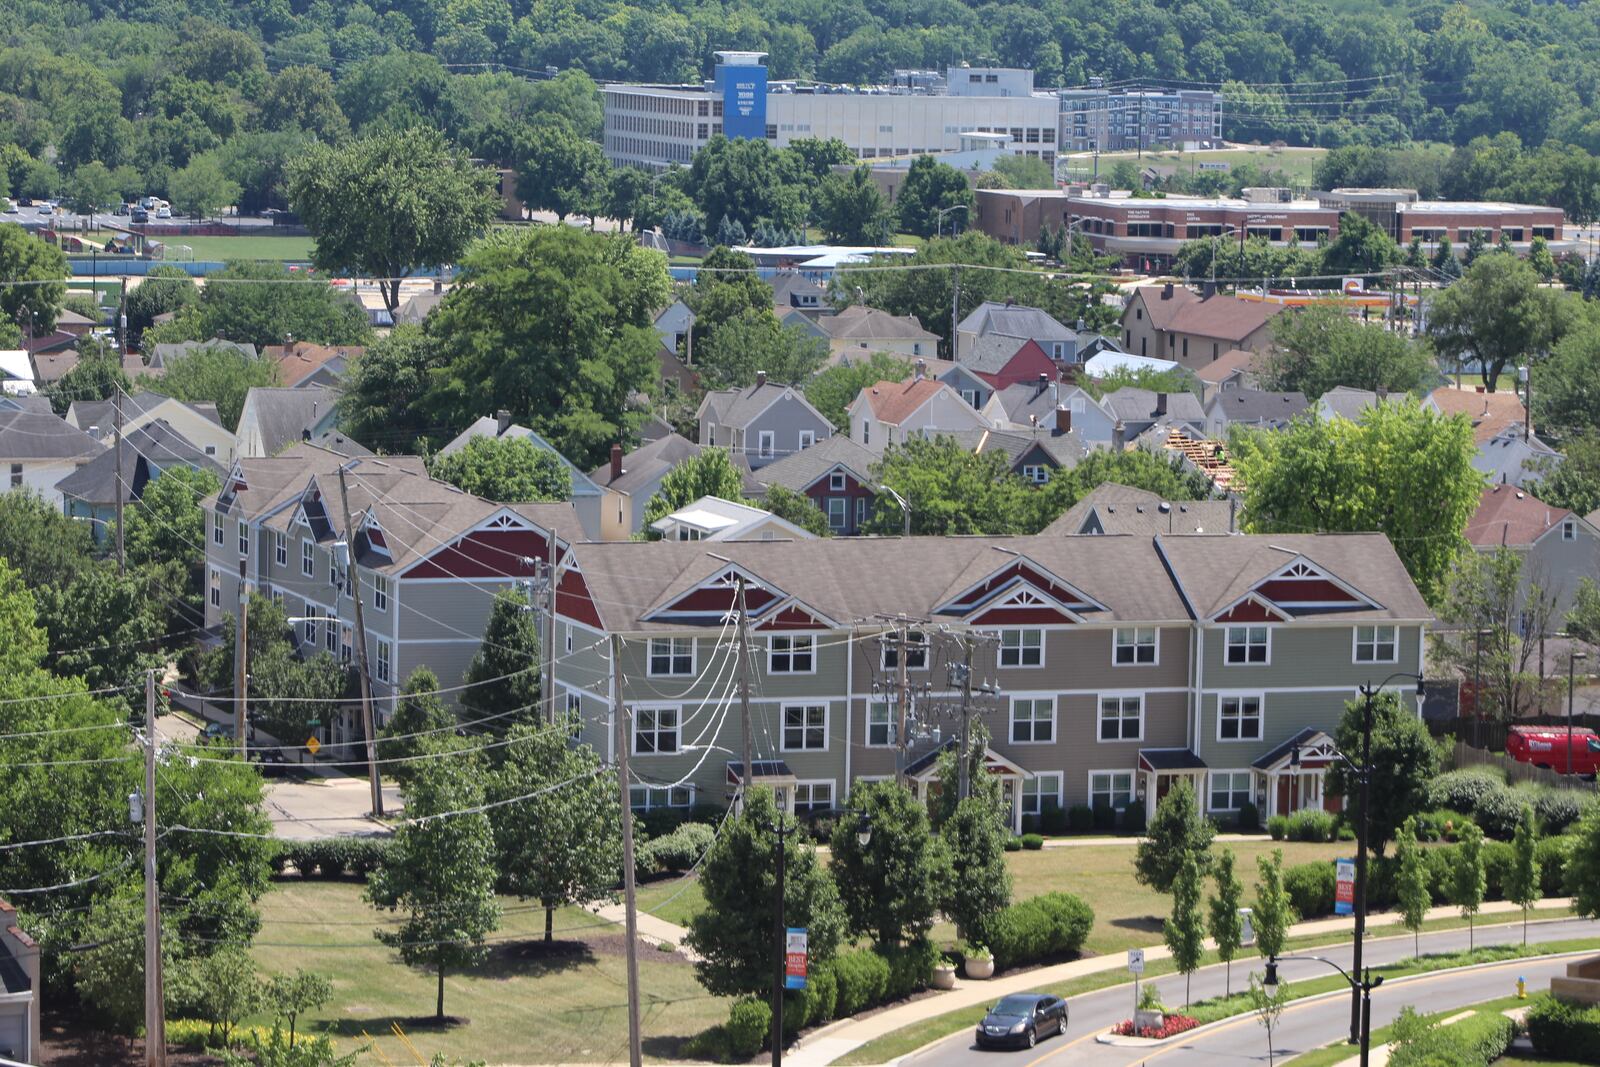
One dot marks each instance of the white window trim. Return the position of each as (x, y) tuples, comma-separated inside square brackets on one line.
[(308, 559), (1060, 792), (384, 659), (827, 725), (633, 728), (651, 791), (1356, 642), (812, 783), (380, 592), (310, 624), (1132, 796), (1135, 630), (1569, 529), (1211, 777), (836, 482), (766, 443), (649, 659), (1011, 719), (1261, 716), (280, 548), (1118, 694), (911, 648), (806, 438), (791, 637), (1020, 666), (214, 588), (866, 736), (1269, 627), (244, 539), (843, 516), (217, 537)]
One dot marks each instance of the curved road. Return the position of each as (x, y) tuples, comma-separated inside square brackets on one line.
[(1302, 1026)]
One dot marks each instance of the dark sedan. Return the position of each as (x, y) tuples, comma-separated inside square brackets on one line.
[(1021, 1019)]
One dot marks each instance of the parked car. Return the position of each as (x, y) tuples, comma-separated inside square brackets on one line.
[(46, 209), (11, 208), (147, 202), (1021, 1019), (1546, 746), (163, 212), (121, 209), (271, 761), (215, 730), (139, 214)]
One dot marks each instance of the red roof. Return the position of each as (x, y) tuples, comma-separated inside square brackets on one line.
[(1507, 515), (1490, 412), (894, 402), (1219, 315)]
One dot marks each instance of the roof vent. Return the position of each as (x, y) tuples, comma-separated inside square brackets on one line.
[(1519, 495), (1165, 507)]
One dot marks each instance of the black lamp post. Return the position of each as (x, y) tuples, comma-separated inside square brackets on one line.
[(1361, 990), (1573, 656), (779, 930)]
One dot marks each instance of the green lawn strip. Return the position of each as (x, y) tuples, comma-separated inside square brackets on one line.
[(909, 1038), (1338, 1053), (675, 900), (260, 248)]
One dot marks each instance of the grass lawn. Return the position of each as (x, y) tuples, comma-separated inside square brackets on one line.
[(270, 248), (675, 900), (1297, 163), (525, 1004), (1332, 1054)]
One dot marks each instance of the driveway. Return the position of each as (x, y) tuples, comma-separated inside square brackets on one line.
[(326, 807)]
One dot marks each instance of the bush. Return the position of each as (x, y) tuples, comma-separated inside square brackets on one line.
[(1278, 827), (1053, 821), (1045, 926), (821, 996), (910, 968), (749, 1022), (1080, 817), (1474, 1042), (1552, 854), (1032, 842), (198, 1034), (1013, 844), (677, 851), (1460, 790), (1564, 1031), (1105, 816), (1311, 825), (1311, 888), (1440, 862), (1498, 811), (863, 978), (711, 1046), (1133, 818), (1442, 825), (1498, 858), (1557, 809), (1249, 817)]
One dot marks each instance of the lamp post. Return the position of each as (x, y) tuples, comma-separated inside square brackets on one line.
[(938, 224), (1573, 657), (904, 505), (1361, 989), (782, 831)]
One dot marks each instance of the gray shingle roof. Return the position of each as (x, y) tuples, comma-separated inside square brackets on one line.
[(30, 435), (163, 354), (1509, 459), (1015, 320), (739, 407), (1067, 449), (155, 443), (101, 414), (1026, 399), (859, 323), (800, 469), (990, 353), (1112, 509), (1256, 406), (282, 415), (650, 461), (1130, 404)]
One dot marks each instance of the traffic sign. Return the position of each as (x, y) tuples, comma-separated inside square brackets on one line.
[(312, 744), (1136, 961)]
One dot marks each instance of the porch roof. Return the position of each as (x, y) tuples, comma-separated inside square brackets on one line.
[(1169, 759), (925, 766), (764, 770), (1304, 739)]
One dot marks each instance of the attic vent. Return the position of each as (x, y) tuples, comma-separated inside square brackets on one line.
[(1165, 507), (1519, 496)]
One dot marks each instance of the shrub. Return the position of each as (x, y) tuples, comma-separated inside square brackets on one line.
[(679, 850), (1045, 926), (198, 1034), (821, 997), (1440, 862), (1013, 844), (1311, 888), (1311, 825), (910, 968), (863, 978), (749, 1022), (1564, 1031), (1460, 790), (1557, 809), (711, 1045), (1474, 1042), (1053, 821), (1105, 816), (1498, 857), (1278, 827), (1249, 816), (1030, 825), (1080, 817), (1498, 811), (1552, 854), (1032, 842), (1133, 818)]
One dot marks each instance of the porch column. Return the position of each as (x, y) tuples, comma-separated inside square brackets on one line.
[(1149, 796), (1272, 793), (1016, 806)]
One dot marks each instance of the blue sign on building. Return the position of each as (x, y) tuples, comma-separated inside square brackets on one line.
[(744, 98)]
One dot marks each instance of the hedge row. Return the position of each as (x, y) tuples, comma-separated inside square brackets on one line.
[(332, 857), (1474, 1042), (1308, 825), (1043, 927), (675, 852), (1482, 793), (1564, 1031)]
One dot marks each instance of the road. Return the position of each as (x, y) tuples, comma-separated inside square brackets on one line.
[(1302, 1027), (326, 807)]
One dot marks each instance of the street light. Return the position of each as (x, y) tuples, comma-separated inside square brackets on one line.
[(1361, 989), (939, 222), (1573, 656), (905, 507)]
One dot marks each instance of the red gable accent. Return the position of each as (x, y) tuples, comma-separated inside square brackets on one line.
[(1026, 364), (1020, 616), (573, 600), (1305, 591), (485, 554), (792, 617), (719, 600), (375, 538), (1250, 611), (1032, 575)]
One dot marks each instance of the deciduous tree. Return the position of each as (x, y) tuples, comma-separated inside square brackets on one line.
[(1177, 831), (831, 391), (1490, 603), (851, 210), (1403, 761), (1412, 893), (1468, 881), (503, 677), (979, 885), (711, 473), (929, 186), (1321, 347), (890, 887), (1184, 931), (560, 171), (202, 189), (795, 507), (1497, 314), (1274, 912), (950, 490), (756, 342), (418, 716), (220, 374), (505, 469), (1225, 924), (1522, 879), (32, 280)]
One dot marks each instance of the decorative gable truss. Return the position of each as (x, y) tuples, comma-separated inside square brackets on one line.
[(716, 598), (505, 545), (791, 614), (372, 547), (312, 511), (232, 487), (1018, 594), (1297, 589)]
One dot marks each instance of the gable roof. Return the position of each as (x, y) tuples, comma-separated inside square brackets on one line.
[(894, 402), (99, 417), (1219, 315), (800, 470), (1132, 404), (282, 416), (1024, 402), (740, 407), (860, 323), (31, 435), (990, 353), (416, 308), (155, 444), (1507, 515), (1112, 508), (789, 284), (298, 361), (1256, 406), (1509, 458), (1491, 413), (163, 354), (1067, 450), (51, 367), (1014, 320), (1233, 361), (646, 464)]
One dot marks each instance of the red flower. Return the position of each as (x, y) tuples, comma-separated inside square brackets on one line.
[(1172, 1026)]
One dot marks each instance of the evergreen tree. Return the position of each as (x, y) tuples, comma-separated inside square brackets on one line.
[(1274, 913), (503, 677), (889, 887), (1522, 880), (1477, 244), (730, 233), (419, 718), (1411, 882), (1443, 253), (1178, 830), (1226, 926), (1583, 866), (1416, 258), (1540, 259), (1468, 882), (979, 885), (1184, 932), (1591, 280)]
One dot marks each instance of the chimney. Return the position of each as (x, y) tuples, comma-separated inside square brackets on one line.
[(616, 462), (1161, 404), (920, 369), (438, 286), (1117, 433), (502, 422), (1166, 291), (1044, 383), (1208, 290), (1081, 324), (761, 378), (1063, 419)]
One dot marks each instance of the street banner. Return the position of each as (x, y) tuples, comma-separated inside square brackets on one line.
[(794, 959), (1344, 890)]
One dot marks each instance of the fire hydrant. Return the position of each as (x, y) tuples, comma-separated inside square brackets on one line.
[(1522, 988)]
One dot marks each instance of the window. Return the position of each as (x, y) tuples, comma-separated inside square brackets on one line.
[(765, 445), (1033, 721), (308, 559), (971, 397), (1375, 644), (671, 656), (807, 438), (836, 482), (1110, 789), (216, 520), (569, 639), (916, 652), (791, 655), (655, 730), (838, 512), (1239, 719), (1122, 718), (244, 539), (280, 548), (1021, 648), (1136, 645), (805, 726), (880, 724), (1248, 644), (1041, 793), (333, 573), (1230, 790), (811, 798), (330, 635), (344, 643), (866, 432), (574, 704), (1037, 473), (649, 798), (381, 663), (311, 625), (1569, 530), (380, 592), (861, 510), (216, 588)]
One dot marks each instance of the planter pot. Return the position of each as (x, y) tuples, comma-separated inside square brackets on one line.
[(976, 968), (945, 977), (1148, 1020)]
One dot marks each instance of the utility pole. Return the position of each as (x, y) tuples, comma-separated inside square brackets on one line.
[(367, 723), (155, 1020), (122, 490), (744, 690), (241, 655), (903, 697), (964, 787), (955, 310), (549, 666), (629, 907)]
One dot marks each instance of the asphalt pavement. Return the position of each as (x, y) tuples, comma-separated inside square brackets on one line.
[(1302, 1026)]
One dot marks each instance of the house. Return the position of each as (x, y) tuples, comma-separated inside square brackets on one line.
[(892, 412), (1172, 322), (1110, 508), (712, 518), (16, 372), (1237, 368), (429, 560), (1137, 410), (864, 329), (90, 492), (671, 368), (34, 402), (1346, 403), (1252, 407), (274, 418), (1003, 361), (1109, 362), (674, 323), (197, 423), (303, 363), (38, 450), (417, 307), (1558, 547), (995, 323), (163, 354), (69, 321), (1122, 664), (1034, 455), (971, 386), (762, 422), (20, 990), (54, 341), (1045, 404), (628, 481), (836, 473), (1207, 457), (1510, 458), (793, 291), (1491, 414), (585, 496), (50, 367)]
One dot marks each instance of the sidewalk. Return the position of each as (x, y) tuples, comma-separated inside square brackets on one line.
[(651, 929), (843, 1037)]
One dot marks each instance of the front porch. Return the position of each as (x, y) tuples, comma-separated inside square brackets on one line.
[(1162, 768), (1289, 785), (922, 774)]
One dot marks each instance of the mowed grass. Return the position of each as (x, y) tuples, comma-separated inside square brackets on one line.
[(525, 1004), (1297, 163), (676, 900), (283, 249)]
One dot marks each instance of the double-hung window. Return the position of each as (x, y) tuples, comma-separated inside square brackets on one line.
[(1041, 793), (280, 548), (836, 482), (216, 526), (1230, 790), (1037, 473), (1110, 789), (880, 724), (1021, 648), (805, 727), (838, 512), (1033, 720), (1135, 645), (380, 592), (1122, 718), (648, 798), (382, 667), (916, 651), (344, 643), (655, 730), (244, 538), (1239, 718), (671, 656), (791, 655), (330, 635), (311, 624), (810, 798), (308, 559), (807, 438), (16, 476), (1375, 644), (1249, 644), (216, 588), (766, 443)]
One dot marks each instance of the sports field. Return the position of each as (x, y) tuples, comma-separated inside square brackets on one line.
[(289, 249)]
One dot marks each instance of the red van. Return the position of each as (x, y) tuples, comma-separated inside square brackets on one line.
[(1546, 746)]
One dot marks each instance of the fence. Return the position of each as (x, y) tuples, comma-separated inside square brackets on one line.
[(1515, 772), (1490, 734)]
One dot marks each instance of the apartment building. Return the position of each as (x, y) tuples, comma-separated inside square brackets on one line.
[(1106, 120), (1125, 663), (429, 559)]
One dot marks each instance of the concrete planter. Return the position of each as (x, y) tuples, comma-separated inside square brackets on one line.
[(1148, 1020), (978, 968), (944, 976)]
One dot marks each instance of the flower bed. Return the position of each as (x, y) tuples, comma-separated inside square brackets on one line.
[(1171, 1027)]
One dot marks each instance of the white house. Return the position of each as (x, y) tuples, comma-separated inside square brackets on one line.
[(711, 518), (37, 451), (890, 412), (197, 423)]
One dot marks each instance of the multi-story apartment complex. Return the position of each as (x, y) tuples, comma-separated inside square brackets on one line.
[(1123, 663), (1118, 120), (429, 559)]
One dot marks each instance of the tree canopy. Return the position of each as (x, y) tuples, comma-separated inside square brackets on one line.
[(1321, 347), (1498, 314), (505, 469)]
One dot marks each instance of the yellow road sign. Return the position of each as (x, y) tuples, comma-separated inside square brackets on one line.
[(312, 744)]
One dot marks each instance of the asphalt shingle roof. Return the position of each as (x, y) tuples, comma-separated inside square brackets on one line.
[(1507, 515), (153, 443), (859, 323), (1131, 404), (801, 469), (1222, 316), (1015, 320), (1122, 509), (31, 435), (650, 461), (1257, 406)]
